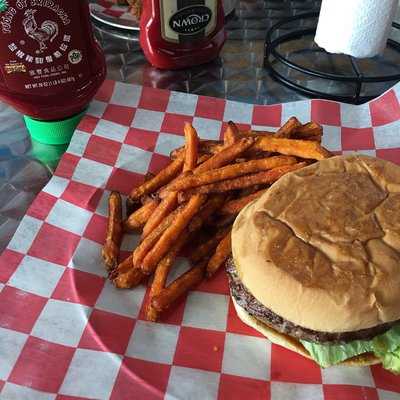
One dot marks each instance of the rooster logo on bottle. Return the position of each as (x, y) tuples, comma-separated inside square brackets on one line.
[(47, 31)]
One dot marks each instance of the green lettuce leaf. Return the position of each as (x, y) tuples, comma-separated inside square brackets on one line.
[(391, 361), (386, 347)]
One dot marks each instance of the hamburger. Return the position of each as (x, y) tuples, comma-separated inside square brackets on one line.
[(315, 262)]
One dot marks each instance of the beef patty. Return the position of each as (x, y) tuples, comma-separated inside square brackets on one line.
[(248, 302)]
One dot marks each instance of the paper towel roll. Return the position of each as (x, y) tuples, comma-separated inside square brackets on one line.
[(359, 28)]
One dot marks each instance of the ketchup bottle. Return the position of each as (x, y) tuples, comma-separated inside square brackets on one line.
[(181, 33), (50, 64)]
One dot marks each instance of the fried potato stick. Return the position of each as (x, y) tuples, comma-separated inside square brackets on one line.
[(317, 139), (254, 134), (309, 130), (234, 207), (230, 172), (226, 155), (170, 202), (231, 134), (292, 147), (221, 254), (203, 158), (125, 276), (160, 276), (171, 234), (148, 198), (210, 207), (263, 177), (111, 246), (138, 219), (162, 178), (133, 205), (178, 288), (149, 241), (164, 192), (165, 264), (148, 176), (289, 128), (166, 206), (208, 147), (191, 148), (213, 203), (207, 247)]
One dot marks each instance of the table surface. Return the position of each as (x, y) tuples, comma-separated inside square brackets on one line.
[(238, 74)]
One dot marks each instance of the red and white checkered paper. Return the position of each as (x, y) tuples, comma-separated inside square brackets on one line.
[(110, 9), (67, 333)]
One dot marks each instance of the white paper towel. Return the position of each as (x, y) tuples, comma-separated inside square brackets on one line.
[(359, 28)]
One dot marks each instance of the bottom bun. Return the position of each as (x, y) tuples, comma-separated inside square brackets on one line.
[(290, 343)]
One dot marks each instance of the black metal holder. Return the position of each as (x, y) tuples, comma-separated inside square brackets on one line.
[(274, 59)]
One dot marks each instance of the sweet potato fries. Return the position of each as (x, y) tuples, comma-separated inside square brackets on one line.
[(190, 205), (111, 246)]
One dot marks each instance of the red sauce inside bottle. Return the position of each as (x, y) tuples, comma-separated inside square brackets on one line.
[(50, 63), (181, 33)]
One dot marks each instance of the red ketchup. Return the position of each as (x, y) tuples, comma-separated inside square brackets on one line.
[(181, 33), (50, 63)]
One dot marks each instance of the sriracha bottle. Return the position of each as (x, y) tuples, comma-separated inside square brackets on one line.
[(50, 64), (181, 33)]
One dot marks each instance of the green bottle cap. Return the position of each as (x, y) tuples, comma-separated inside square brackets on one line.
[(53, 132), (48, 154), (3, 5)]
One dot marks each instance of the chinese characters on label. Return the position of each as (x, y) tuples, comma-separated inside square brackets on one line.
[(39, 60), (54, 82)]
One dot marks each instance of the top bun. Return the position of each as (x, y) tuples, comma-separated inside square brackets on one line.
[(321, 248)]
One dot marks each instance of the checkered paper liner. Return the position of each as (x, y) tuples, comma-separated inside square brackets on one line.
[(65, 331), (110, 9)]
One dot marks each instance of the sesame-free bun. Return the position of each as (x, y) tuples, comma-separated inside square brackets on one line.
[(293, 344), (321, 248)]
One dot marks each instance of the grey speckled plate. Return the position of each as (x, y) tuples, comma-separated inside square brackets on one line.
[(117, 16)]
